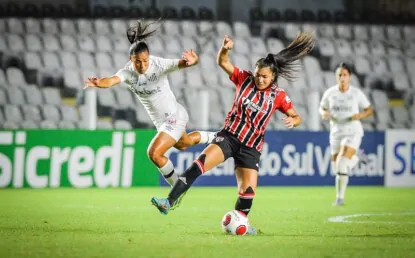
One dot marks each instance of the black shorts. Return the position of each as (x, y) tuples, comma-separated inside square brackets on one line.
[(244, 157)]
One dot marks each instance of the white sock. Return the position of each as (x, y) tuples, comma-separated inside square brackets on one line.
[(168, 170), (344, 180), (337, 182), (206, 137), (353, 161)]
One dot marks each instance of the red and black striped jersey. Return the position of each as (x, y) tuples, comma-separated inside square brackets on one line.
[(252, 109)]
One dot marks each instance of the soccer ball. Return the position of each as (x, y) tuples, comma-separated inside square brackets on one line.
[(235, 223)]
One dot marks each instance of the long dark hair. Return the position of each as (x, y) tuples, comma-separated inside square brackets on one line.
[(284, 63), (345, 66), (137, 32)]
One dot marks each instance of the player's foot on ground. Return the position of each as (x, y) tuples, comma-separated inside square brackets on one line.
[(162, 205), (363, 158), (251, 231), (211, 137), (338, 202)]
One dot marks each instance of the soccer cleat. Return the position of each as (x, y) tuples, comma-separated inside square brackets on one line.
[(338, 202), (162, 205), (362, 157), (251, 231)]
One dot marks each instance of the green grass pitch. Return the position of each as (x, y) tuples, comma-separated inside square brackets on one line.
[(122, 223)]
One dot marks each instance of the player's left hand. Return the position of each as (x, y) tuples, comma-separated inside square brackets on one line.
[(190, 57), (289, 122)]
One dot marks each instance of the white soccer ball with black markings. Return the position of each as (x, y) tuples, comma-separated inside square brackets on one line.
[(235, 223)]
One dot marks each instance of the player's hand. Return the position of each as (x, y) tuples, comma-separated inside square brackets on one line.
[(325, 115), (289, 121), (356, 116), (190, 57), (91, 82), (227, 43)]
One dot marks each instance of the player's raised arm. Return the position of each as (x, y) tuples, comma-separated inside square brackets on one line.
[(223, 59), (105, 82)]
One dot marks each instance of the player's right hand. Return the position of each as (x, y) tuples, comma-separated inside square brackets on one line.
[(91, 82), (227, 43), (325, 115)]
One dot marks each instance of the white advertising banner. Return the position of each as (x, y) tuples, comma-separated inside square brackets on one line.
[(400, 158)]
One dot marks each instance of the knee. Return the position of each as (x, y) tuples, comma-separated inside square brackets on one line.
[(342, 165), (154, 155), (182, 144)]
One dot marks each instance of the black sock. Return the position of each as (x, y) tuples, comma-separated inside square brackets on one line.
[(186, 180), (244, 201)]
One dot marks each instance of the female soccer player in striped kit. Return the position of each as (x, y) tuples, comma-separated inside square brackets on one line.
[(257, 97), (146, 76), (340, 104)]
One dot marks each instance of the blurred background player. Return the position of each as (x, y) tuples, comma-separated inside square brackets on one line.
[(242, 137), (146, 77), (341, 104)]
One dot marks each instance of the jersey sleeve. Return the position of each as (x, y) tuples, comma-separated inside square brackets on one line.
[(238, 76), (284, 102), (168, 65), (124, 75), (324, 103), (363, 100)]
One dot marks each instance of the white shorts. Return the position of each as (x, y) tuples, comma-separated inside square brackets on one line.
[(352, 141), (175, 125)]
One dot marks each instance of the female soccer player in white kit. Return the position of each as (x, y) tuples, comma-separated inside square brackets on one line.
[(146, 77), (341, 104)]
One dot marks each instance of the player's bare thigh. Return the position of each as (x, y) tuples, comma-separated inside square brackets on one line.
[(246, 177), (213, 156), (159, 146)]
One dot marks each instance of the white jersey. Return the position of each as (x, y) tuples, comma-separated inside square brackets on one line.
[(342, 105), (152, 88)]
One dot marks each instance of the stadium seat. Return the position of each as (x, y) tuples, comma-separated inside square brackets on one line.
[(67, 125), (300, 83), (51, 60), (67, 26), (10, 125), (171, 28), (326, 31), (121, 44), (33, 95), (142, 117), (69, 113), (361, 32), (401, 81), (69, 43), (362, 65), (118, 27), (122, 125), (258, 46), (400, 115), (329, 78), (3, 44), (31, 112), (32, 60), (273, 15), (12, 113), (104, 125), (32, 26), (84, 26), (72, 82), (68, 60), (393, 33), (343, 47), (194, 77), (50, 26), (242, 46), (379, 65), (86, 60), (409, 33), (51, 43), (344, 31), (291, 30), (172, 45), (241, 30), (15, 26), (242, 61), (360, 48), (46, 124), (124, 98), (377, 48), (15, 96), (103, 60), (188, 28), (33, 43), (106, 101), (377, 32), (28, 124), (187, 13), (51, 96), (15, 43), (102, 27), (86, 43)]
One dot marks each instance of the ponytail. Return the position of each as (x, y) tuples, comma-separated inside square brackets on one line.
[(283, 64), (137, 32)]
